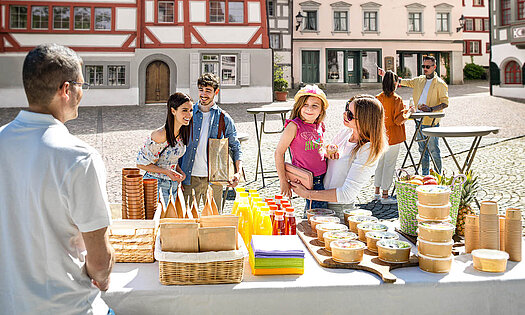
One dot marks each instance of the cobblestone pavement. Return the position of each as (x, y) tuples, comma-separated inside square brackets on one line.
[(117, 133)]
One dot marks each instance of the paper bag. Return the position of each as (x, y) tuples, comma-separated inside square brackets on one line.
[(220, 164), (179, 237), (180, 204), (221, 221), (217, 239), (194, 207), (171, 212)]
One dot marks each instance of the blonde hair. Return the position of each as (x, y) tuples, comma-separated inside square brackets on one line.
[(370, 122), (296, 110)]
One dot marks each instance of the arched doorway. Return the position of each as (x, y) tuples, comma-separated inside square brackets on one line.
[(157, 82)]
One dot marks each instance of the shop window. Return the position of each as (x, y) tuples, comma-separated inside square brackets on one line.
[(340, 21), (228, 69), (311, 21), (61, 18), (82, 18), (236, 12), (370, 21), (39, 17), (505, 12), (166, 13), (95, 75), (414, 22), (18, 16), (443, 22), (513, 73), (521, 9), (217, 11), (275, 41), (103, 18), (369, 61), (116, 75), (335, 65)]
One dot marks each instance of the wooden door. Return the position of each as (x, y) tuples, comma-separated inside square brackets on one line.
[(157, 82), (310, 66)]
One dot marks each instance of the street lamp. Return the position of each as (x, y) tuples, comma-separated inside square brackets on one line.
[(299, 19), (461, 23)]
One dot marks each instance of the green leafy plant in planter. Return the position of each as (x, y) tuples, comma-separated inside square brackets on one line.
[(280, 85)]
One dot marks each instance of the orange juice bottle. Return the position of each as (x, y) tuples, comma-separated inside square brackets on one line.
[(264, 226), (242, 197), (245, 223)]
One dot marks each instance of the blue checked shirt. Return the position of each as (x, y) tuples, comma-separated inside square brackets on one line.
[(187, 160)]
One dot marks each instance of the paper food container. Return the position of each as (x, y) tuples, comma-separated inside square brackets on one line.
[(322, 219), (435, 231), (347, 252), (393, 251), (330, 237), (217, 238), (490, 260), (433, 195), (433, 212), (179, 237), (329, 227), (319, 212), (374, 236), (354, 220), (435, 265), (350, 212), (363, 228), (432, 249), (420, 219)]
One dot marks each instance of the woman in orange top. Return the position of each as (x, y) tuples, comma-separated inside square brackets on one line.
[(395, 116)]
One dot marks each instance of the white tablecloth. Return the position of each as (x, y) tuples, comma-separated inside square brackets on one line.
[(135, 289)]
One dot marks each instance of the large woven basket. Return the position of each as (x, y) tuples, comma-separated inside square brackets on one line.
[(200, 268), (407, 207), (133, 240)]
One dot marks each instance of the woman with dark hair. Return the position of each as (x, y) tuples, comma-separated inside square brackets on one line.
[(395, 117), (161, 152), (360, 145)]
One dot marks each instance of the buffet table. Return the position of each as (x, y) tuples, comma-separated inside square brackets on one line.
[(135, 289)]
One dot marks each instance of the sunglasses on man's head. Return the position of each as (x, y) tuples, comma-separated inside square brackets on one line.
[(426, 66)]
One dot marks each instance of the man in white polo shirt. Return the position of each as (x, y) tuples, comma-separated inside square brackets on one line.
[(53, 199)]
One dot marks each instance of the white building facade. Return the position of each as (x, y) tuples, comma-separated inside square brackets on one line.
[(507, 66), (476, 43), (280, 23), (138, 52)]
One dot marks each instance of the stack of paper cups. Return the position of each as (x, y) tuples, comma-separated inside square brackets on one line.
[(471, 233), (513, 234), (489, 225), (502, 232)]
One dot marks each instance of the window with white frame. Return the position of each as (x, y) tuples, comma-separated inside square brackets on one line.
[(442, 22), (370, 21), (310, 21), (61, 18), (210, 64), (18, 16), (471, 47), (228, 69), (340, 21), (39, 17), (82, 18), (275, 41), (217, 11), (469, 25), (235, 12), (414, 22), (116, 75), (103, 18), (94, 75), (166, 13)]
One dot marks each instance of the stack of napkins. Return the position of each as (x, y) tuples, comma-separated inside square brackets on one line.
[(276, 255)]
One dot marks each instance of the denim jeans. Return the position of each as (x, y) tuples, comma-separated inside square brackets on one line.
[(433, 148), (318, 185), (111, 312), (165, 186)]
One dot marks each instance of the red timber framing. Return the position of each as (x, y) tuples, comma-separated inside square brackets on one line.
[(141, 25)]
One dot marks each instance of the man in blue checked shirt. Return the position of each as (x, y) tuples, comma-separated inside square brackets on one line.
[(194, 163)]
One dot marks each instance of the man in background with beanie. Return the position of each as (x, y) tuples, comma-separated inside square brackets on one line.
[(53, 200)]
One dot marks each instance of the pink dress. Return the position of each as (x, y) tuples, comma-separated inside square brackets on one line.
[(305, 146)]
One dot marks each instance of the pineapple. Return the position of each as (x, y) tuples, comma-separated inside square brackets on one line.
[(470, 188)]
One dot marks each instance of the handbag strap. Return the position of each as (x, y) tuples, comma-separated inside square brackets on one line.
[(222, 126)]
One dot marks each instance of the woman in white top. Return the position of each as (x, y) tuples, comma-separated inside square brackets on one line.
[(360, 146)]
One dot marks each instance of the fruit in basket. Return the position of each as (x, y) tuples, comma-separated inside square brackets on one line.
[(418, 177), (430, 182), (469, 191), (428, 177), (415, 182)]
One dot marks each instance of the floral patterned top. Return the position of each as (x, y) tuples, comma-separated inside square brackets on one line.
[(150, 153)]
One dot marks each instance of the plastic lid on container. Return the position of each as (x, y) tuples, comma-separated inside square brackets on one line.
[(437, 225), (433, 189), (361, 212), (451, 242), (332, 227), (319, 211), (432, 206), (395, 244), (348, 244), (435, 258), (340, 235), (382, 235), (362, 218), (490, 254), (325, 219), (372, 226)]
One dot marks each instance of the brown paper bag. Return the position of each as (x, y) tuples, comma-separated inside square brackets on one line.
[(177, 220), (171, 212), (207, 210), (221, 221), (194, 207), (217, 239), (179, 237), (180, 204), (220, 164), (211, 200)]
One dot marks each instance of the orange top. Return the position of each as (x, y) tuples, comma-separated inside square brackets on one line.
[(395, 117)]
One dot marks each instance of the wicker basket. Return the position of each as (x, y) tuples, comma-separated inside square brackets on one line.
[(407, 207), (133, 240), (200, 268)]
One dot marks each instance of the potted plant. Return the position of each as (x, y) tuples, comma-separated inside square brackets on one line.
[(280, 87)]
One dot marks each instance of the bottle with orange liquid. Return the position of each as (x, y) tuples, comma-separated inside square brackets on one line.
[(278, 199), (242, 197), (273, 208), (245, 223), (264, 225), (289, 220), (279, 226)]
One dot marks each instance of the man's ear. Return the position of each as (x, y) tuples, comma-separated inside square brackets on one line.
[(64, 90)]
